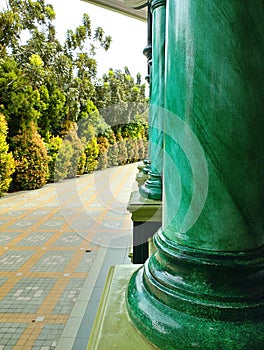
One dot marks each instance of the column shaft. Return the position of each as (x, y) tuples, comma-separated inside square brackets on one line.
[(214, 99), (153, 187)]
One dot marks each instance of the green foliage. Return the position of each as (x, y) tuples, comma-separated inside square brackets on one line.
[(103, 145), (52, 116), (19, 16), (31, 160), (83, 37), (48, 87), (64, 70), (9, 30), (19, 101), (91, 122), (132, 150), (146, 147), (87, 133), (122, 152), (81, 164), (120, 99), (92, 153), (68, 154), (110, 136), (77, 150), (53, 146), (63, 161), (141, 149), (7, 164), (112, 155)]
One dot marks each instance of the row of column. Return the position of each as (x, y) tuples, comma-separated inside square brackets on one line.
[(203, 287)]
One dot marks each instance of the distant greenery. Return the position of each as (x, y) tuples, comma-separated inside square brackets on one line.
[(7, 164), (57, 118)]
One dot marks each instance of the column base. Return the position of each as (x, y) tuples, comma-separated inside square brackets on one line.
[(147, 163), (184, 299), (152, 188), (141, 177)]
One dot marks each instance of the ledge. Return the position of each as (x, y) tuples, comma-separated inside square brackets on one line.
[(143, 209)]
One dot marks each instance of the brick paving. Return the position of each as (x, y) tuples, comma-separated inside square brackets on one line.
[(51, 243)]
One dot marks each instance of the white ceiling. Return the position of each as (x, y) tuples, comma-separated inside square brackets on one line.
[(122, 6)]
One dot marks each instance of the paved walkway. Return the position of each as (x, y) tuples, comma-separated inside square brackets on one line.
[(56, 245)]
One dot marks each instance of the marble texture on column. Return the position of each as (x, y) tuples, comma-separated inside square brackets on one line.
[(157, 87), (214, 85)]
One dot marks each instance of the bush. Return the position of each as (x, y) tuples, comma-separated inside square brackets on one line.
[(132, 150), (135, 146), (112, 155), (122, 152), (31, 160), (63, 161), (103, 145), (78, 150), (81, 164), (146, 147), (53, 146), (141, 149), (7, 163), (92, 152)]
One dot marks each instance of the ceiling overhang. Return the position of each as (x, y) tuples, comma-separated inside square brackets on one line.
[(122, 6)]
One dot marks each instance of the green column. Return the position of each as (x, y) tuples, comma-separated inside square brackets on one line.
[(148, 53), (203, 288), (153, 186)]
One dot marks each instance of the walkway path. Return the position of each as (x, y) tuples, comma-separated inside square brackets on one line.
[(56, 245)]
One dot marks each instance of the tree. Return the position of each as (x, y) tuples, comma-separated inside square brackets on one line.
[(57, 78), (77, 150), (31, 159), (22, 16), (80, 47), (47, 88), (18, 100), (7, 164), (125, 100)]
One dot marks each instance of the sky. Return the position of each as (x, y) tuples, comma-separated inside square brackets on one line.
[(129, 35)]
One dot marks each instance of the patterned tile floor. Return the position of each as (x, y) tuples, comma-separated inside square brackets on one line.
[(56, 245)]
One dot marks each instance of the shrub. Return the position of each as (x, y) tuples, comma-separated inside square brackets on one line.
[(7, 163), (81, 164), (31, 160), (110, 136), (53, 146), (92, 152), (132, 150), (78, 149), (103, 145), (135, 146), (122, 152), (112, 155), (63, 161), (146, 147), (141, 149)]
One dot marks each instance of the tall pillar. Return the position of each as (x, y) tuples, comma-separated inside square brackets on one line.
[(148, 53), (153, 186), (203, 288)]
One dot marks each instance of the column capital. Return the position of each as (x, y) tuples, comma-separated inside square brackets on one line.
[(157, 3), (148, 52)]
